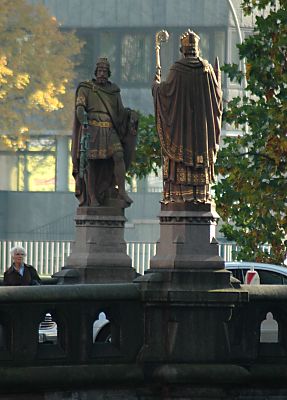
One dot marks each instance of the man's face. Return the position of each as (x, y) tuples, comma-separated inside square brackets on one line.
[(19, 257), (102, 75)]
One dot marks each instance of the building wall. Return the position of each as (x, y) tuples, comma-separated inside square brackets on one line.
[(137, 13), (50, 216), (91, 17)]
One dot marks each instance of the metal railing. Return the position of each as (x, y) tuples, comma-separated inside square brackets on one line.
[(48, 257)]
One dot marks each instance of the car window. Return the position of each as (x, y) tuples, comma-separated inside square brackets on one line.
[(266, 277), (269, 278)]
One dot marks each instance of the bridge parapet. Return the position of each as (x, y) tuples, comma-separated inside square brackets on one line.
[(139, 354), (74, 309)]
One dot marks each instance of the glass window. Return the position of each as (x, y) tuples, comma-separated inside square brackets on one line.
[(234, 54), (132, 54), (41, 165), (219, 49), (234, 48), (219, 46), (9, 170), (108, 47), (135, 58), (85, 59), (71, 182), (41, 144), (30, 166), (41, 173), (269, 278), (167, 57), (204, 44)]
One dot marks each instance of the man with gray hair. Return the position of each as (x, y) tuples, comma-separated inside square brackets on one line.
[(20, 274)]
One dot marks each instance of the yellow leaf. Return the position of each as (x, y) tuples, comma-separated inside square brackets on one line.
[(23, 129), (22, 80), (4, 70)]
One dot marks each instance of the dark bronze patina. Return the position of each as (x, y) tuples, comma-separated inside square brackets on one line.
[(188, 108), (103, 141)]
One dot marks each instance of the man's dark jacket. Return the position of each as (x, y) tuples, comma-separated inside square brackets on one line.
[(13, 278)]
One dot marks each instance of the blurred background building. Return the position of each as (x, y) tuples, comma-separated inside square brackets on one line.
[(36, 185)]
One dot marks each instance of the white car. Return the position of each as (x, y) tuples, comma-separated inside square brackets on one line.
[(270, 274)]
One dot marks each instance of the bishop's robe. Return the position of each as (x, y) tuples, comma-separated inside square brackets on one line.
[(188, 109)]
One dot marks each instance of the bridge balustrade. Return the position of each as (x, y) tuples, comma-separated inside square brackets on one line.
[(75, 360), (74, 309)]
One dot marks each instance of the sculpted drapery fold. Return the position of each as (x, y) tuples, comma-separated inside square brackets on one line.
[(188, 109)]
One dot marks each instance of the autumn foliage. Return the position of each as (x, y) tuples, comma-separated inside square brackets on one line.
[(251, 195), (36, 69)]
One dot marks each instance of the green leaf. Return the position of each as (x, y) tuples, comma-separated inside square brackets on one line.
[(251, 191)]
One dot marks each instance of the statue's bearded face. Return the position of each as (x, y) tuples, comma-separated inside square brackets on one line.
[(102, 75)]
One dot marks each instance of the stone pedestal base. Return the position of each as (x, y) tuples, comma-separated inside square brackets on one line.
[(187, 255), (187, 237), (99, 251), (189, 295), (189, 326)]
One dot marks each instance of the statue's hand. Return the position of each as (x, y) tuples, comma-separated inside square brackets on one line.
[(134, 119)]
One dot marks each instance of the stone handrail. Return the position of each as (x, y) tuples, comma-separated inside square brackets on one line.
[(75, 361), (74, 309)]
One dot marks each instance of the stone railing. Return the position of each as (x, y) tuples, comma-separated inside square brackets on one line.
[(139, 356), (74, 309)]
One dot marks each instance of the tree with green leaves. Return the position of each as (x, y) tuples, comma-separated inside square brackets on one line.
[(251, 194), (36, 70), (148, 152)]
